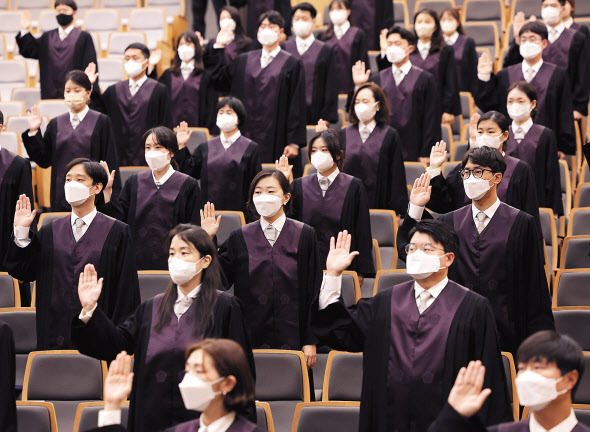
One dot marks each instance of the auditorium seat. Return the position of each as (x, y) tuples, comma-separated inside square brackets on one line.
[(585, 176), (319, 371), (491, 11), (152, 283), (20, 123), (11, 141), (447, 167), (376, 255), (36, 417), (64, 378), (97, 45), (582, 198), (124, 6), (102, 21), (388, 278), (12, 108), (52, 107), (152, 21), (384, 230), (230, 220), (459, 152), (22, 321), (468, 107), (342, 98), (571, 288), (111, 72), (14, 74), (413, 171), (529, 7), (48, 217), (33, 6), (29, 96), (351, 290), (9, 291), (310, 132), (199, 135), (400, 14), (128, 171), (510, 373), (172, 7), (579, 221), (575, 253), (3, 51), (343, 377), (447, 134), (309, 170), (10, 27), (118, 41), (87, 415), (282, 381), (566, 194), (47, 20), (485, 35), (573, 321), (327, 416), (436, 5), (83, 6), (549, 228), (264, 416), (582, 393)]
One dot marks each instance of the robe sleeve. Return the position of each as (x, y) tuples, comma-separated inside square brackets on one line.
[(448, 81), (446, 192), (431, 128), (28, 45), (108, 151), (7, 379), (163, 109), (565, 130), (487, 94), (552, 185), (527, 196), (296, 119), (330, 109), (578, 67), (382, 62), (253, 167), (359, 49), (398, 192), (98, 101), (88, 52), (39, 147), (234, 328), (364, 240), (310, 269), (450, 420), (221, 74), (22, 263), (470, 60), (193, 203), (228, 258), (118, 207)]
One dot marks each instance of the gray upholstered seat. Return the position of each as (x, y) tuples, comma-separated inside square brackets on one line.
[(345, 376), (151, 284)]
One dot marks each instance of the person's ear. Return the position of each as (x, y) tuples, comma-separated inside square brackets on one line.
[(228, 384), (99, 187), (533, 105), (410, 49), (206, 261), (498, 177), (286, 198), (570, 379), (544, 43), (450, 257)]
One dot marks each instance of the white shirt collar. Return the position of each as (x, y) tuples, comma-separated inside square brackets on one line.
[(342, 29), (565, 426), (559, 28), (568, 22), (232, 138), (535, 67), (371, 126), (490, 211), (80, 115), (308, 41), (273, 53), (526, 126), (331, 177), (278, 224), (190, 64), (67, 30), (423, 45), (434, 291), (87, 219), (405, 68), (139, 81), (191, 294), (220, 425), (450, 40), (165, 177)]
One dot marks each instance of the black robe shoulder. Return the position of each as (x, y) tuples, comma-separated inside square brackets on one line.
[(7, 379)]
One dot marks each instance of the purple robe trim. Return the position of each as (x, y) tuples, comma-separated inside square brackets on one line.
[(558, 52), (540, 82), (271, 302), (527, 149), (240, 424), (342, 51), (523, 426), (230, 52), (429, 64), (417, 355), (309, 59), (6, 158), (458, 49), (363, 12), (185, 94), (502, 189), (61, 54), (154, 218), (70, 144), (69, 259)]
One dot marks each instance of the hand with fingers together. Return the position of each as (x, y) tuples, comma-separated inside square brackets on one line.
[(119, 382), (283, 166), (438, 155), (89, 288), (421, 191), (183, 135), (23, 215), (322, 125), (340, 257), (466, 396), (35, 119), (91, 72), (108, 189), (208, 221), (484, 64), (359, 73)]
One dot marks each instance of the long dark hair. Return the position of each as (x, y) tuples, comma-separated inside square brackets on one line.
[(329, 33), (455, 14), (198, 58), (242, 40), (437, 41), (210, 281)]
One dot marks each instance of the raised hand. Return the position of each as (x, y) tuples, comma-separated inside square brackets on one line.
[(224, 37), (90, 71), (484, 64), (119, 381), (339, 257), (438, 154), (359, 74), (322, 125), (421, 191), (200, 37), (25, 20), (383, 40), (291, 151), (35, 119), (466, 396), (208, 221), (473, 127), (23, 216), (517, 23), (283, 166), (155, 57), (89, 288), (183, 135), (108, 189)]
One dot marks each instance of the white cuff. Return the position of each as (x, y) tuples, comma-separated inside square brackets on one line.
[(217, 46), (85, 317), (32, 134), (108, 418), (21, 236), (484, 77), (434, 171), (415, 212), (382, 54), (23, 32), (330, 291)]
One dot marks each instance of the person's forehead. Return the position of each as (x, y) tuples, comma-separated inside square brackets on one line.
[(134, 52), (77, 170), (420, 238)]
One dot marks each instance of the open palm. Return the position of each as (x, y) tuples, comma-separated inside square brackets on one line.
[(421, 191), (339, 257), (23, 216), (119, 380), (466, 396), (208, 220), (89, 288)]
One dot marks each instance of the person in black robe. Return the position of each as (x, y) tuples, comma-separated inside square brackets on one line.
[(371, 16), (259, 7), (57, 254), (332, 201), (230, 22), (414, 101), (500, 255), (156, 200), (544, 355), (192, 308), (81, 132), (321, 89), (224, 165), (134, 105), (554, 103), (348, 43), (8, 418), (58, 51), (567, 16), (271, 84), (414, 336)]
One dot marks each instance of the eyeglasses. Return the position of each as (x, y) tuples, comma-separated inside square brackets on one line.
[(476, 172), (426, 248)]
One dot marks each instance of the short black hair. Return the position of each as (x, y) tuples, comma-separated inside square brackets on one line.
[(93, 169), (440, 232), (333, 143), (144, 49), (404, 34), (1, 118), (561, 2), (283, 182), (236, 105), (487, 157), (535, 27), (273, 17), (306, 7), (551, 347), (497, 117), (70, 3), (80, 78)]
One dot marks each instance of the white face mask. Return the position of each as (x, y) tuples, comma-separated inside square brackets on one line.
[(322, 161), (181, 271), (488, 140), (420, 265), (519, 112), (364, 112), (529, 50), (550, 15), (76, 193), (302, 28), (227, 122), (475, 188), (535, 390), (448, 27), (196, 393), (156, 160), (267, 37), (186, 53), (227, 24), (395, 54), (338, 16), (424, 30), (267, 205), (133, 68)]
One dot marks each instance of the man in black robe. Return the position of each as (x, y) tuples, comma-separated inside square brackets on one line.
[(134, 105), (372, 16), (7, 379), (258, 7), (58, 51), (544, 355), (500, 256), (56, 255)]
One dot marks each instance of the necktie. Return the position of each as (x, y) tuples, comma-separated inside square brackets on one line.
[(270, 233), (158, 184), (134, 88), (398, 76), (301, 47), (186, 71), (338, 32), (266, 59), (480, 223), (62, 34), (424, 51), (183, 306), (365, 132), (226, 143), (519, 135), (423, 300), (552, 35), (529, 75), (79, 223), (324, 184), (75, 121), (449, 41)]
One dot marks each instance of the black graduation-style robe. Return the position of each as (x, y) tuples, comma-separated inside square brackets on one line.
[(102, 339), (258, 7), (504, 264), (372, 16), (367, 327), (83, 53), (466, 63), (47, 151), (7, 379), (15, 180), (344, 207), (57, 293)]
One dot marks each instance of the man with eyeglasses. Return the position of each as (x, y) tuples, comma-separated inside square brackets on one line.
[(499, 253), (414, 336)]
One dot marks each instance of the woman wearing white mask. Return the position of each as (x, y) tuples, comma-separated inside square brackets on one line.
[(273, 264), (230, 26), (192, 308), (156, 200), (348, 43), (81, 132), (225, 165), (373, 150), (332, 201), (55, 255)]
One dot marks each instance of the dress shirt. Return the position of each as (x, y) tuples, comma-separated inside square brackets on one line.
[(184, 302), (80, 115), (164, 178), (526, 127), (434, 291), (220, 425), (405, 69), (62, 33), (450, 40), (565, 426), (139, 83), (341, 30), (304, 44), (330, 178), (568, 22), (278, 224), (272, 55), (535, 68), (187, 68), (366, 127), (423, 49), (489, 212), (227, 142), (555, 32), (415, 212)]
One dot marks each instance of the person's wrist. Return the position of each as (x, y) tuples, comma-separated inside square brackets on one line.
[(112, 405), (88, 308), (333, 273)]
